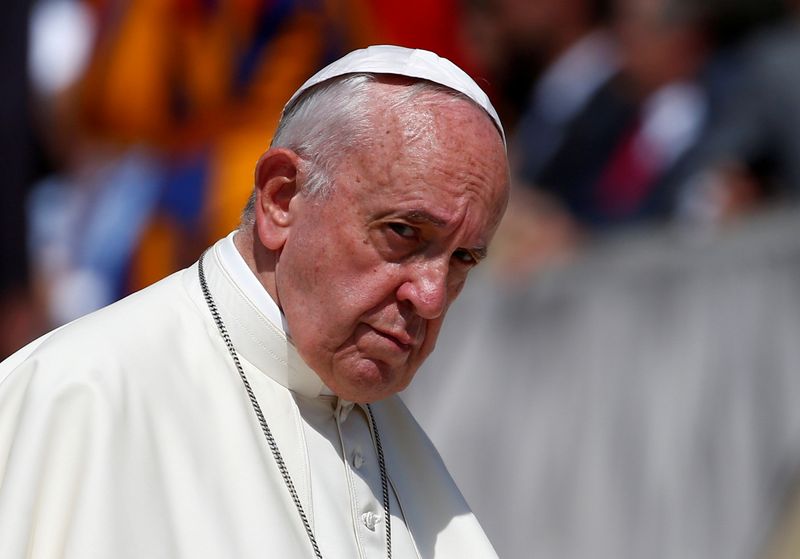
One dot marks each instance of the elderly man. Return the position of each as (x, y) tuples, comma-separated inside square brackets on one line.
[(245, 407)]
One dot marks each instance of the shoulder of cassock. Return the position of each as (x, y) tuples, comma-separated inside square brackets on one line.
[(142, 339), (74, 409)]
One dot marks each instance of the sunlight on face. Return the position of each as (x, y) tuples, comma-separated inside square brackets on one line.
[(367, 274)]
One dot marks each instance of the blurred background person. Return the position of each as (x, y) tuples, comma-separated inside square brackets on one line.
[(619, 120), (611, 123), (751, 153), (569, 54)]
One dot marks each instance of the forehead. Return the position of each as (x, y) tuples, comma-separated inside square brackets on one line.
[(436, 153)]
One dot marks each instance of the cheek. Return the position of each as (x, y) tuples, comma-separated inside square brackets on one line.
[(431, 335), (454, 286), (327, 265), (346, 295)]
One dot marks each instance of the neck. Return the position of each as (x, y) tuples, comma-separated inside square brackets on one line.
[(260, 260)]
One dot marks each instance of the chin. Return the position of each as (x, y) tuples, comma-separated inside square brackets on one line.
[(369, 381)]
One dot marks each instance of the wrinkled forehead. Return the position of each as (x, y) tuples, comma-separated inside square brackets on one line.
[(433, 133), (418, 112), (444, 154)]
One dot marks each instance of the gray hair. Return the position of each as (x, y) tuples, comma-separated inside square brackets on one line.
[(334, 118)]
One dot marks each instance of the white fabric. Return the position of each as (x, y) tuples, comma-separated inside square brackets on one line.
[(127, 434), (401, 61), (243, 276)]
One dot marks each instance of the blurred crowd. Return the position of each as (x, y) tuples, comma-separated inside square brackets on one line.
[(642, 112), (131, 127)]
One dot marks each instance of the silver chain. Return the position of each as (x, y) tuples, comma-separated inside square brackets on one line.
[(273, 446)]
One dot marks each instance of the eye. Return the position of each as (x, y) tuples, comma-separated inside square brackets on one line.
[(403, 230), (465, 257)]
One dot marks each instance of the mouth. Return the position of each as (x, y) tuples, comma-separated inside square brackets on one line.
[(402, 340)]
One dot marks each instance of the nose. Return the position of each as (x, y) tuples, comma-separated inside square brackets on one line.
[(425, 288)]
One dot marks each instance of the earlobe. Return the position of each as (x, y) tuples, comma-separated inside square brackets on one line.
[(275, 186)]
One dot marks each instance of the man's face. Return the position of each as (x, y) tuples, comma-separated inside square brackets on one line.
[(366, 275)]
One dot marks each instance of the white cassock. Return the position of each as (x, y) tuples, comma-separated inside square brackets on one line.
[(128, 434)]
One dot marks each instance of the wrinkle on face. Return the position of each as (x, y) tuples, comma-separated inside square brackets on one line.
[(363, 315)]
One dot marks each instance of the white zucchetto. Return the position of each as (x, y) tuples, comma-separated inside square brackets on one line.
[(401, 61)]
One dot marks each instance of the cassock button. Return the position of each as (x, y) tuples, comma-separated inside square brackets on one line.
[(358, 460), (370, 520)]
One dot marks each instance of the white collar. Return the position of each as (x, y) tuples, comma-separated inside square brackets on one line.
[(243, 276), (245, 279)]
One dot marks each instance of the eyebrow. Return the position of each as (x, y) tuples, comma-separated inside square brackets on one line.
[(480, 253), (421, 216)]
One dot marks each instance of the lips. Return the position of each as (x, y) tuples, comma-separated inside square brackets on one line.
[(401, 339)]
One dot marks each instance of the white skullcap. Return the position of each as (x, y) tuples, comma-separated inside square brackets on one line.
[(414, 63)]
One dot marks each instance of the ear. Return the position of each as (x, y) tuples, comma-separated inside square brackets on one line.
[(275, 187)]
